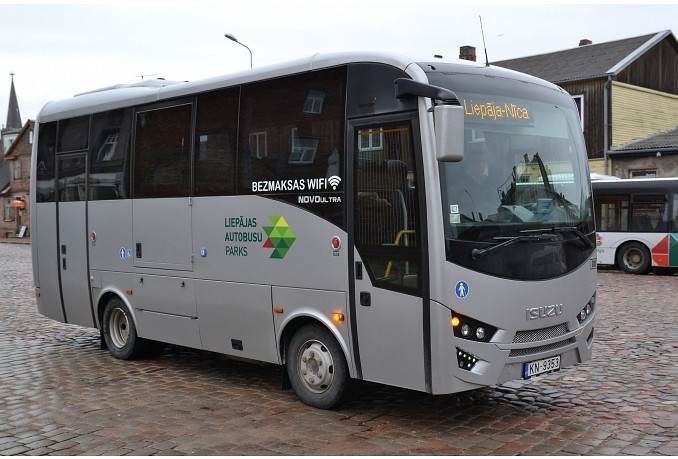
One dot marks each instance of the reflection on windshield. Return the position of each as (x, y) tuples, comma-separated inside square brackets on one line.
[(516, 177)]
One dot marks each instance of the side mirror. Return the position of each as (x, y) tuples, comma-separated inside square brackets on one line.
[(449, 129), (448, 116)]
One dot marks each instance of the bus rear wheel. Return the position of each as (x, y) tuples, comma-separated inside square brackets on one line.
[(316, 367), (634, 258), (119, 331)]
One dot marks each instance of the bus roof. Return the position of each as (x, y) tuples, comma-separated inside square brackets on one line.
[(148, 91), (643, 185)]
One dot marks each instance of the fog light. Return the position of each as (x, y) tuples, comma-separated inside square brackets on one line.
[(588, 309), (466, 360), (582, 315), (480, 333), (465, 330)]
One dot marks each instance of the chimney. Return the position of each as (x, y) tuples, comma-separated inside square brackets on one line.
[(467, 53), (585, 41)]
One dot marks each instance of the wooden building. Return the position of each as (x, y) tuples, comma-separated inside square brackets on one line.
[(629, 86)]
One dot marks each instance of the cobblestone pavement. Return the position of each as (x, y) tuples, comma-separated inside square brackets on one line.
[(60, 394)]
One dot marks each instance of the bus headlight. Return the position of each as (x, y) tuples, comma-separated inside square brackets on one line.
[(587, 310), (471, 329)]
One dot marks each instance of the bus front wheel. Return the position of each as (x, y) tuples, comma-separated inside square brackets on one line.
[(634, 258), (316, 367), (119, 331)]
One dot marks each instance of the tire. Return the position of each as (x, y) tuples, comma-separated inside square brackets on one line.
[(120, 332), (634, 258), (316, 367)]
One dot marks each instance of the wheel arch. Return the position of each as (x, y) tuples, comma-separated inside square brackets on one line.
[(294, 323), (105, 296)]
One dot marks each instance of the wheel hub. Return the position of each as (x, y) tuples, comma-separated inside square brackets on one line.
[(316, 367), (119, 328)]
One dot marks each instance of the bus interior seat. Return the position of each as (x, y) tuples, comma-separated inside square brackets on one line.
[(643, 223), (382, 204)]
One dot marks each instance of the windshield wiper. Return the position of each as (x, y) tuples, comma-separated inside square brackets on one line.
[(565, 229), (477, 254)]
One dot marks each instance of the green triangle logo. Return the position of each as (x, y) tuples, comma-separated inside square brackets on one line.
[(280, 237)]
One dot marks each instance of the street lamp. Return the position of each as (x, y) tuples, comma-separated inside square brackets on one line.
[(232, 38)]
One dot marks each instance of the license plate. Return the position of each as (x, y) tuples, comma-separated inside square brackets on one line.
[(541, 366)]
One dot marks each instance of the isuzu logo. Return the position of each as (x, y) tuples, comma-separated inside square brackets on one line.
[(543, 312)]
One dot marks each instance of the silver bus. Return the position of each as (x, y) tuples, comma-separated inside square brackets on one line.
[(420, 224)]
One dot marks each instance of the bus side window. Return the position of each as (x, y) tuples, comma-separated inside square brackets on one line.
[(44, 179), (674, 215), (73, 134), (162, 153), (612, 213), (214, 162), (109, 173), (291, 132), (649, 213)]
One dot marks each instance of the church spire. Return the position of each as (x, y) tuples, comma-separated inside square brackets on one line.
[(13, 115)]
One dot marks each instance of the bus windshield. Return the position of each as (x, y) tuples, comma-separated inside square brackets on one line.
[(522, 170)]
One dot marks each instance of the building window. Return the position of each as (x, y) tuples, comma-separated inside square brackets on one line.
[(370, 140), (259, 144), (643, 173), (9, 210), (314, 101), (303, 149), (579, 102), (17, 169)]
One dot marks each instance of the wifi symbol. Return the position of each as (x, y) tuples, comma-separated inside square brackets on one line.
[(334, 181)]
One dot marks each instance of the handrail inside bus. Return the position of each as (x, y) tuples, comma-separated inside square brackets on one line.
[(397, 242)]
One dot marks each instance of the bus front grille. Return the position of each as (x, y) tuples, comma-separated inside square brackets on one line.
[(538, 349), (530, 336)]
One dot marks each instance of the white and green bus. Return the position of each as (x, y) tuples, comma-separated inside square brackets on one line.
[(637, 223), (321, 215)]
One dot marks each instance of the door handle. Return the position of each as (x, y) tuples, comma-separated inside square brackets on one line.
[(365, 299), (138, 249), (358, 270)]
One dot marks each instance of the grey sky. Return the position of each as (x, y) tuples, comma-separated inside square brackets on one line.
[(57, 50)]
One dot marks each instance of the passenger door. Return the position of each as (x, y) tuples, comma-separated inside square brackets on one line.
[(388, 259), (72, 238)]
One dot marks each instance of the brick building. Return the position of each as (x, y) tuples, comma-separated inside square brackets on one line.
[(16, 141)]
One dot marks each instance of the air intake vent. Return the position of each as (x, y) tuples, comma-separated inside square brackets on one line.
[(530, 336), (538, 349)]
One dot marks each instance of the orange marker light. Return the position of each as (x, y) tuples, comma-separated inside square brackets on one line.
[(455, 321), (129, 291), (338, 317), (278, 310)]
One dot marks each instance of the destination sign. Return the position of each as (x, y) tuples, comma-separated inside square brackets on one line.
[(493, 111)]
